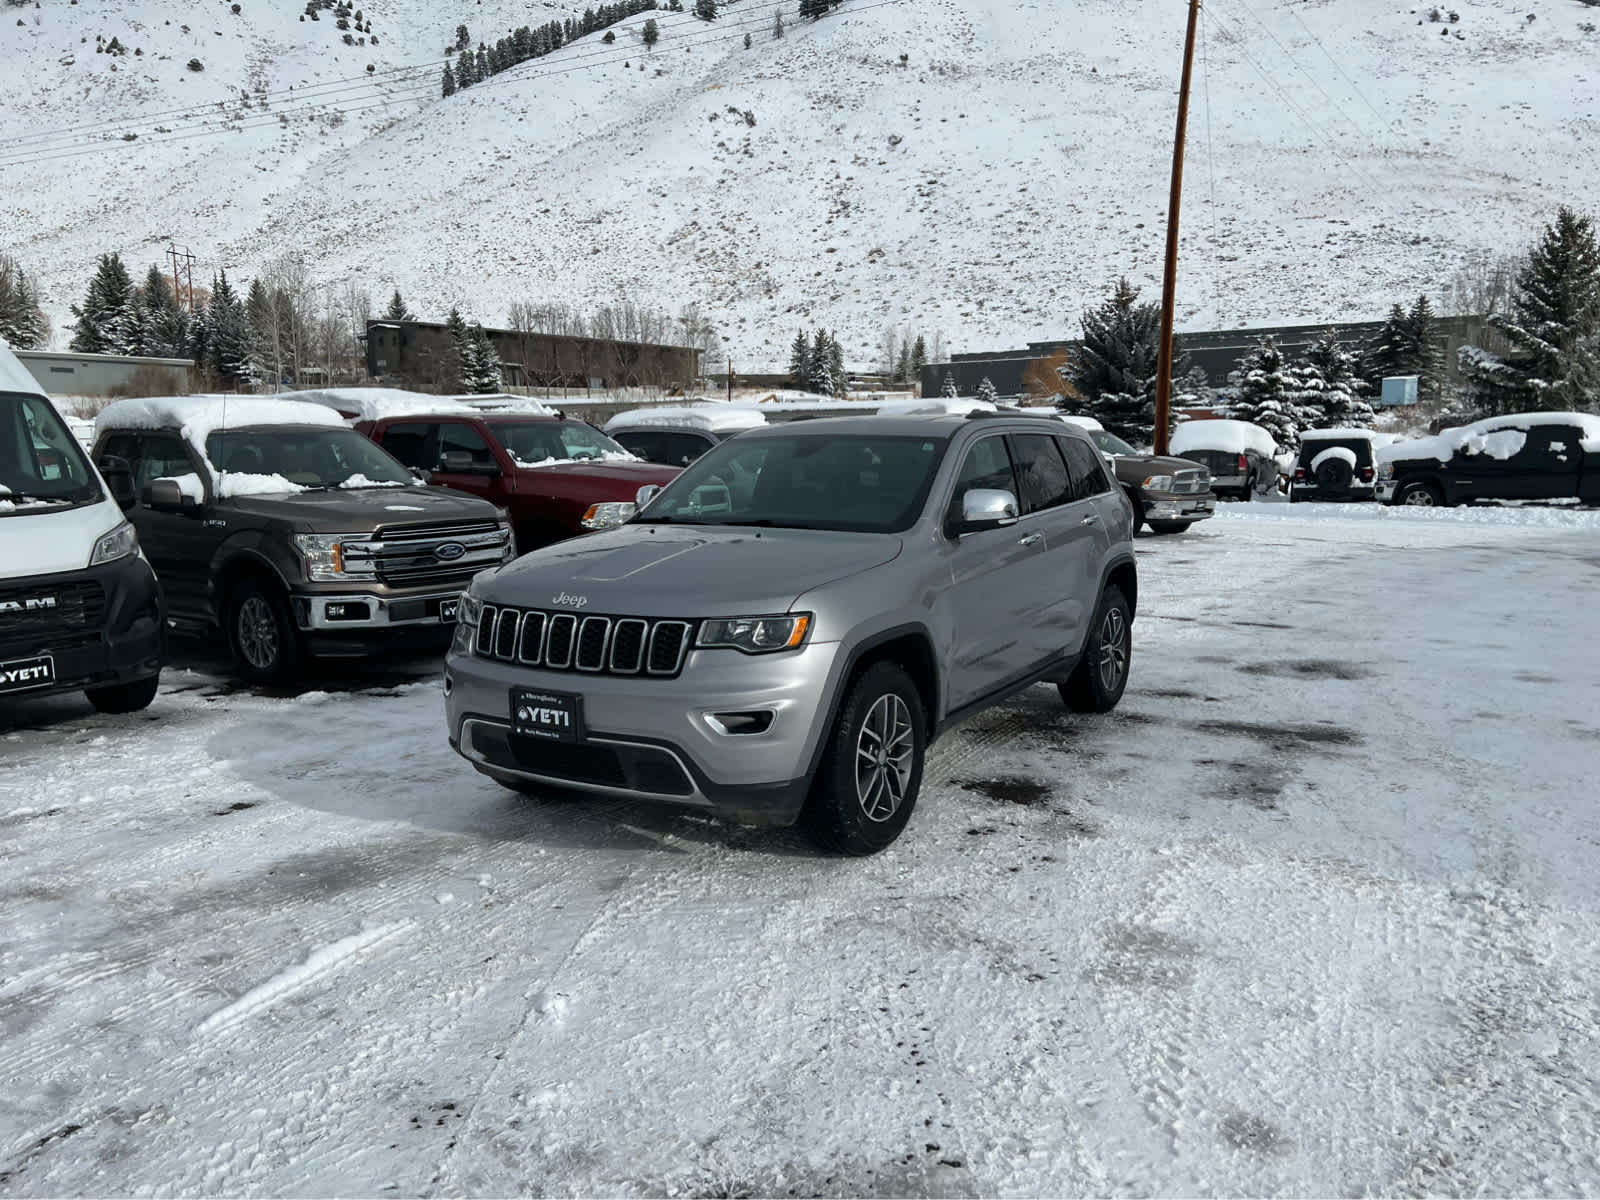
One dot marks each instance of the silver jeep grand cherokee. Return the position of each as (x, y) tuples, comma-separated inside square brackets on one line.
[(781, 633)]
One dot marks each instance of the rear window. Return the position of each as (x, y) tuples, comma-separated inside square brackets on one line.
[(1310, 448)]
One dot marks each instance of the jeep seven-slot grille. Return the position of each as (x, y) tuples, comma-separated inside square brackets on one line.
[(594, 645), (39, 618), (1190, 483)]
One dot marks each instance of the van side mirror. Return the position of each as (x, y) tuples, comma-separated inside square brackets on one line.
[(119, 478), (167, 495)]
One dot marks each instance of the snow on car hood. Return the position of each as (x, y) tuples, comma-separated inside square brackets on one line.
[(667, 571)]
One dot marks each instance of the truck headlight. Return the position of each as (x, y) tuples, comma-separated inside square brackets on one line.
[(325, 557), (1157, 483), (119, 543), (755, 635), (609, 515)]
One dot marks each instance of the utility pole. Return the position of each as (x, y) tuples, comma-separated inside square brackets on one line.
[(730, 379), (184, 292), (1169, 280)]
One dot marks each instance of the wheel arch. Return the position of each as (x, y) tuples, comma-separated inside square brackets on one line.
[(910, 647), (1125, 575), (234, 570)]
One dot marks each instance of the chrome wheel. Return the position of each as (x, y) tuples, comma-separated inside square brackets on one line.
[(1419, 496), (1113, 664), (258, 633), (885, 749)]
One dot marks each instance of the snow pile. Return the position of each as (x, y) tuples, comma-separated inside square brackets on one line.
[(197, 417), (721, 418), (1495, 437), (191, 487), (238, 483), (503, 402), (1089, 423), (376, 403), (359, 480), (1228, 436)]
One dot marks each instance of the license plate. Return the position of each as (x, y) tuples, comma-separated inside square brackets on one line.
[(553, 716), (20, 674), (447, 610)]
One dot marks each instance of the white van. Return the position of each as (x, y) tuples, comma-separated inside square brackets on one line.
[(80, 608)]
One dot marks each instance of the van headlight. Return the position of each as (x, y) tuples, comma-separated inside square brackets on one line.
[(755, 635), (119, 543)]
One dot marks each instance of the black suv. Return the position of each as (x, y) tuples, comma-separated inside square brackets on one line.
[(290, 532)]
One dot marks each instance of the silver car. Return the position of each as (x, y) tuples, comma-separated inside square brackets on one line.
[(781, 633)]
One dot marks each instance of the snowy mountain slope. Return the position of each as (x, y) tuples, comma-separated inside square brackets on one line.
[(1341, 157)]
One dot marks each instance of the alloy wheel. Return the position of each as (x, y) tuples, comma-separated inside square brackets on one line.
[(885, 748), (1113, 649), (1419, 496), (258, 633)]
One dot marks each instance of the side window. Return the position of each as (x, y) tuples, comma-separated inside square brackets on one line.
[(409, 443), (162, 456), (456, 438), (1087, 468), (1041, 474), (681, 449), (987, 465), (642, 442), (124, 446), (1545, 445)]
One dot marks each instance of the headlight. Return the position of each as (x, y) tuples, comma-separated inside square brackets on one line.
[(1386, 470), (1157, 483), (511, 542), (119, 543), (755, 635), (325, 560), (609, 515), (469, 610)]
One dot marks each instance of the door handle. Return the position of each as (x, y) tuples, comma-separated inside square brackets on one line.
[(1090, 519), (1031, 539)]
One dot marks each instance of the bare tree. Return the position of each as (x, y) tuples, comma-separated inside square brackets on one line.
[(889, 350)]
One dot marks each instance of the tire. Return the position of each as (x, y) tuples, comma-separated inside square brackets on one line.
[(124, 697), (1419, 493), (1168, 526), (1097, 682), (264, 641), (861, 799)]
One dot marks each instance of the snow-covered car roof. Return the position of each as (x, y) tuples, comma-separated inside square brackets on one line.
[(1497, 437), (1228, 436), (717, 418), (1329, 435), (1088, 423), (198, 416), (953, 406), (503, 402), (376, 403), (14, 377)]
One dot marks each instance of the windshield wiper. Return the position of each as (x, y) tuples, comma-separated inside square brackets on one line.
[(37, 496)]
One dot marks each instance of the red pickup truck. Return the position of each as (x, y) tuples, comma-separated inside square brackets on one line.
[(551, 472)]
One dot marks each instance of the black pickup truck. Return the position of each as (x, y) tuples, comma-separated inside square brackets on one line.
[(1524, 456), (294, 535)]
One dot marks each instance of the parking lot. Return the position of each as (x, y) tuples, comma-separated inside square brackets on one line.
[(1313, 911)]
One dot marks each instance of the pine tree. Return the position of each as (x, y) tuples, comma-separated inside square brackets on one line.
[(1115, 367), (839, 377), (987, 392), (265, 359), (228, 333), (108, 321), (22, 320), (800, 361), (902, 364), (480, 362), (466, 69), (1427, 361), (1552, 328), (919, 359), (482, 72), (1343, 391), (706, 10), (1389, 353), (949, 390), (163, 325), (652, 32), (448, 85), (1263, 395), (820, 379), (397, 310)]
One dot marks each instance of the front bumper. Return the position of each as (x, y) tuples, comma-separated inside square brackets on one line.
[(126, 645), (1180, 508), (318, 612), (654, 738), (1385, 490)]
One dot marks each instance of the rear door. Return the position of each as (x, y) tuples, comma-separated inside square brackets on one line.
[(646, 443), (1548, 465), (414, 443), (994, 577), (679, 448), (1073, 532)]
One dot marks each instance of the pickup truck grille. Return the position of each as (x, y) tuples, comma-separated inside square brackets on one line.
[(433, 555), (1190, 483), (43, 617), (563, 641)]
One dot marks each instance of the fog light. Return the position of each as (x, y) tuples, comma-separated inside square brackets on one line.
[(757, 721), (348, 611)]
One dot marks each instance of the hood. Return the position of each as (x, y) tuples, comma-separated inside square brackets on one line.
[(50, 539), (668, 571), (1132, 468), (592, 481), (355, 510)]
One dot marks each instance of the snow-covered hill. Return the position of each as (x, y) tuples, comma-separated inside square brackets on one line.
[(988, 183)]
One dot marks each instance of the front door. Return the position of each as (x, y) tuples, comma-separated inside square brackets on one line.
[(995, 574), (179, 545), (482, 477)]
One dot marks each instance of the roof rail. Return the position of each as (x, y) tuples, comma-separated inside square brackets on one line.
[(980, 414)]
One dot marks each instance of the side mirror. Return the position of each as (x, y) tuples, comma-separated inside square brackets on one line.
[(987, 508), (166, 495), (119, 478), (420, 475), (646, 494), (459, 462)]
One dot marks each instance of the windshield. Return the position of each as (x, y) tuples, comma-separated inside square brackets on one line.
[(41, 463), (539, 443), (857, 484), (1109, 443), (308, 457)]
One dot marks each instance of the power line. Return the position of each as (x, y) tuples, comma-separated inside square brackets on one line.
[(203, 115), (1338, 66)]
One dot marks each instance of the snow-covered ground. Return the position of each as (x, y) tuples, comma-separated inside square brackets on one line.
[(982, 169), (1315, 911)]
